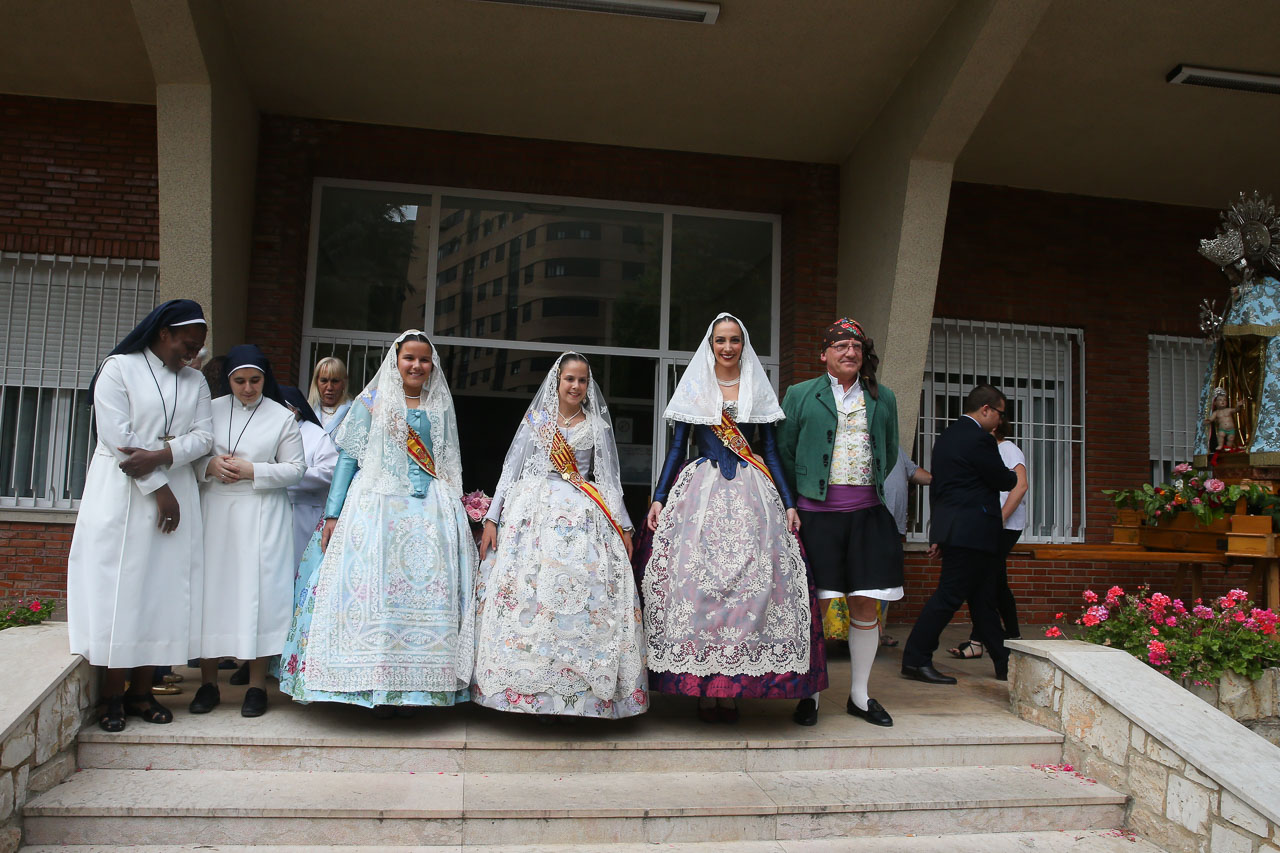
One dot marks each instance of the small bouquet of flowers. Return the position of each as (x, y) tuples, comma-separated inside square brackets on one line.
[(476, 504)]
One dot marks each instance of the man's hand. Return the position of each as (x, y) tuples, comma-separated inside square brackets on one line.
[(935, 550)]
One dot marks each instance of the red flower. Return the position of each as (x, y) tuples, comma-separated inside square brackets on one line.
[(1090, 596), (34, 606), (1053, 631)]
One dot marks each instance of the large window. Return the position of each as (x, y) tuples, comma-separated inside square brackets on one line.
[(1176, 368), (1040, 370), (58, 317), (631, 286)]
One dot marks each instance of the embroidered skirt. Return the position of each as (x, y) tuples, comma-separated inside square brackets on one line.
[(729, 606)]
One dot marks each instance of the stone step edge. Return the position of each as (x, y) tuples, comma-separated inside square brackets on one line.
[(1077, 795), (987, 842), (1028, 739)]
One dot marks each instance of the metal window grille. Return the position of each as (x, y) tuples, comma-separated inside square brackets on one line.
[(58, 316), (1176, 369), (1041, 371)]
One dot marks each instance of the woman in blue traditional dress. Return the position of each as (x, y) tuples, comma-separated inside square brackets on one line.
[(385, 596), (558, 617), (729, 606)]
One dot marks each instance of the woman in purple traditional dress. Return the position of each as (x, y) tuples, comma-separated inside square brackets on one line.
[(729, 607)]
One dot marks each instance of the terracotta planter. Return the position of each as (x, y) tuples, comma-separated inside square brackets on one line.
[(1183, 532)]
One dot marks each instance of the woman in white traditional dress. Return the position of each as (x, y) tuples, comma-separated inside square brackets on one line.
[(385, 603), (248, 528), (558, 617), (134, 571), (329, 396), (308, 496), (729, 607)]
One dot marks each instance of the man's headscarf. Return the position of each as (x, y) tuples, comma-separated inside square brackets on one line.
[(842, 330), (175, 312)]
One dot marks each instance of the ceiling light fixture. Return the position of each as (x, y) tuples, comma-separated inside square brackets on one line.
[(1244, 81), (689, 11)]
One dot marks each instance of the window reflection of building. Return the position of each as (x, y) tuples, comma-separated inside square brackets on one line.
[(564, 278)]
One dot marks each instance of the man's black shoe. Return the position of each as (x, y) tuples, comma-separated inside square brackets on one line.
[(241, 675), (806, 713), (206, 699), (927, 674), (1002, 671), (255, 702), (875, 714)]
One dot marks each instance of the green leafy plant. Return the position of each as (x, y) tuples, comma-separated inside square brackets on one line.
[(25, 611), (1197, 643), (1196, 492)]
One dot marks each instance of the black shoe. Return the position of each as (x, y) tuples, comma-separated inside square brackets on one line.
[(241, 675), (227, 663), (1002, 671), (927, 674), (875, 714), (207, 698), (255, 702), (806, 713)]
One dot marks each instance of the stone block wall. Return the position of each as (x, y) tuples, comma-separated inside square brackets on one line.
[(1253, 704), (1173, 803), (40, 751)]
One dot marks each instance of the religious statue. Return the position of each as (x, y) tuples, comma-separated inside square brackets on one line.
[(1240, 397), (1221, 419)]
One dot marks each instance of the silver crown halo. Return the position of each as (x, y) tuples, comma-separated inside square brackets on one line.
[(1253, 218)]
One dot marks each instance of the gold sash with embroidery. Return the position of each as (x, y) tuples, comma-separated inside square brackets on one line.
[(729, 433), (418, 452), (566, 464)]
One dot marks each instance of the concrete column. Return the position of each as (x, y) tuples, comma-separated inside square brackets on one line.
[(896, 183), (207, 129)]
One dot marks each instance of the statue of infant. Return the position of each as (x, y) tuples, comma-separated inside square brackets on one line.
[(1221, 420)]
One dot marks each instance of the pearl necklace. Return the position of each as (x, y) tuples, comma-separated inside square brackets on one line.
[(728, 384), (569, 419)]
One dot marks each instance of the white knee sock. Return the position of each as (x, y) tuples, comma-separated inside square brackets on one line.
[(864, 642)]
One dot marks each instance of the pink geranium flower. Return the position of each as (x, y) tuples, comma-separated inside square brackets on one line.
[(1090, 596), (1053, 631)]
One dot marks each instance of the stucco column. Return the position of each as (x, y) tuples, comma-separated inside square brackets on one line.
[(207, 135), (896, 183)]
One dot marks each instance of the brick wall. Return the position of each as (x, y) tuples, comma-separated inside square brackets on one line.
[(1119, 270), (293, 152), (76, 177)]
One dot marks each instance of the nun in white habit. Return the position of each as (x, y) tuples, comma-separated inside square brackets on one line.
[(309, 494), (134, 571), (248, 527)]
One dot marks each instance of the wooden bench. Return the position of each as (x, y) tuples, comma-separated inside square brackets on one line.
[(1187, 562)]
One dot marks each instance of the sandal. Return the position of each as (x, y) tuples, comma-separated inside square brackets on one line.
[(147, 708), (887, 641), (112, 719), (968, 650)]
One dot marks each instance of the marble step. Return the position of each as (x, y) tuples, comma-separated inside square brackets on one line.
[(1083, 841), (302, 808), (224, 740)]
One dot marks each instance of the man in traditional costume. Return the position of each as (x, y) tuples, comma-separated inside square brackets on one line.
[(134, 574), (838, 444)]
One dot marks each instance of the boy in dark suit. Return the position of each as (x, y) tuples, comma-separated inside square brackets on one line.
[(968, 476)]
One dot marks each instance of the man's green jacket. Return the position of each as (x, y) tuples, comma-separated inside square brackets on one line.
[(808, 435)]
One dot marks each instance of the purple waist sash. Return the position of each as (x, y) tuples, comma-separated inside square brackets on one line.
[(841, 499)]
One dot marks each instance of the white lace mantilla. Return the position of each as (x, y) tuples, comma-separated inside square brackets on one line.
[(725, 590)]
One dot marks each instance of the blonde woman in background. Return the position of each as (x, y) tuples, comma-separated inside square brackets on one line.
[(328, 396)]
